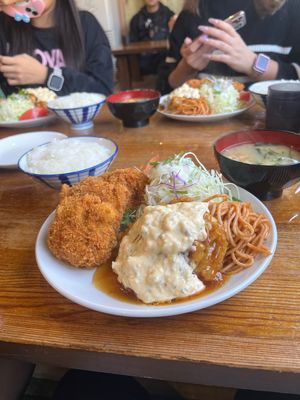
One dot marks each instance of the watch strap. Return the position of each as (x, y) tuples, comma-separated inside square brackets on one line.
[(57, 71), (50, 72)]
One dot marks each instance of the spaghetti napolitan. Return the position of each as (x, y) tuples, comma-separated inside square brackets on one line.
[(206, 96), (245, 231), (185, 106)]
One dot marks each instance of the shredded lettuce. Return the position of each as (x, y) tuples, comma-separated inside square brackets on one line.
[(14, 106), (183, 175), (221, 95)]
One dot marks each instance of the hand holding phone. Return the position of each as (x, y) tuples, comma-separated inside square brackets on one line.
[(25, 10)]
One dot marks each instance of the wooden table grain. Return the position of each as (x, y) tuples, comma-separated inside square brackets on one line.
[(250, 341)]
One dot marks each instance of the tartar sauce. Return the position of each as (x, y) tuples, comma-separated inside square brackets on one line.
[(186, 91), (153, 258)]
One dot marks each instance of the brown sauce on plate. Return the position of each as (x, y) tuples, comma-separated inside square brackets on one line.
[(106, 280)]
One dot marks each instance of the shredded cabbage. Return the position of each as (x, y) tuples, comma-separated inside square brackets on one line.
[(180, 176), (14, 106), (221, 96)]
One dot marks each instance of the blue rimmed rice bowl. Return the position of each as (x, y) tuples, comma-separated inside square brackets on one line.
[(78, 109), (73, 177)]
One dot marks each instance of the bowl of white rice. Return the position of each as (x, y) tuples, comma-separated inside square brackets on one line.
[(69, 161), (260, 89), (78, 109)]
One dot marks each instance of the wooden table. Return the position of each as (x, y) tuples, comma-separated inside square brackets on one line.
[(249, 341), (127, 58)]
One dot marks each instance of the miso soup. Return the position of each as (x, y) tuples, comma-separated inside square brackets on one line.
[(135, 100), (263, 154)]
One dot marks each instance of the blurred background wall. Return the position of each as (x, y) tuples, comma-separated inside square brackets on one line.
[(107, 13), (115, 15), (133, 6)]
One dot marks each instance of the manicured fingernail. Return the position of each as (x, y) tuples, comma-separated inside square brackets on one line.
[(203, 28), (212, 20), (204, 38)]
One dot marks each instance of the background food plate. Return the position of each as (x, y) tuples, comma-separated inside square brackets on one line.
[(28, 123), (13, 147), (76, 284), (204, 118)]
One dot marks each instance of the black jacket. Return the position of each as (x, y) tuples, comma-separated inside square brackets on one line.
[(150, 26), (98, 74), (277, 36)]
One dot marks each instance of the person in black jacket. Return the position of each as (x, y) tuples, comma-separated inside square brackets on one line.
[(201, 42), (153, 22), (61, 41)]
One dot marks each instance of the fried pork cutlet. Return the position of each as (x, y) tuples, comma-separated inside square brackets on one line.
[(87, 221), (132, 179)]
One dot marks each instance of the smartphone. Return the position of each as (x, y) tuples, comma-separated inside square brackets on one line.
[(237, 20), (25, 10)]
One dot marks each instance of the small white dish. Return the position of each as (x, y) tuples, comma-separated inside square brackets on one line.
[(13, 147), (203, 118), (76, 284)]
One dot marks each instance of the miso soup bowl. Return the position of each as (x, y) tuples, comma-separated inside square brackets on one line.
[(265, 181), (134, 107)]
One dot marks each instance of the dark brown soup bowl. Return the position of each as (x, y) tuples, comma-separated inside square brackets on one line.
[(265, 181), (134, 107)]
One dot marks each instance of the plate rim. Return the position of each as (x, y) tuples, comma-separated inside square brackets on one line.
[(22, 135), (148, 311), (16, 124), (271, 82), (205, 118)]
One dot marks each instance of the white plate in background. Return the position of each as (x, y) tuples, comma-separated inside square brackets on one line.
[(262, 87), (76, 284), (28, 123), (13, 147), (203, 118)]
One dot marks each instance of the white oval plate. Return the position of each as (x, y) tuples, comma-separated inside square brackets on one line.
[(76, 284), (28, 123), (13, 147), (203, 118)]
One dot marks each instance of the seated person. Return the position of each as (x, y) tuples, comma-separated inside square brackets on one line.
[(63, 43), (152, 22), (202, 43)]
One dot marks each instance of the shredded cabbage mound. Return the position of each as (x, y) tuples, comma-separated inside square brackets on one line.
[(14, 106), (221, 96), (180, 176)]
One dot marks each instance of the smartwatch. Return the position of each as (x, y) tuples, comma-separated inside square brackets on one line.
[(56, 80), (261, 63)]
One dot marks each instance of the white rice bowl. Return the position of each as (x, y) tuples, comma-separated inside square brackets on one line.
[(68, 162), (63, 156), (76, 100)]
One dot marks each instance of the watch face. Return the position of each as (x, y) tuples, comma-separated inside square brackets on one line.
[(56, 82), (262, 62)]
